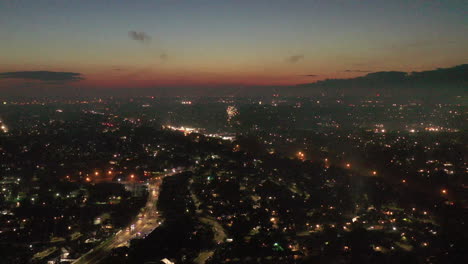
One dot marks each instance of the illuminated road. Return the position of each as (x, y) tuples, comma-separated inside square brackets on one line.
[(144, 224), (219, 232)]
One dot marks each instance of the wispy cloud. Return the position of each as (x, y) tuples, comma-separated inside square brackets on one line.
[(356, 71), (422, 44), (164, 56), (295, 58), (139, 36), (47, 76)]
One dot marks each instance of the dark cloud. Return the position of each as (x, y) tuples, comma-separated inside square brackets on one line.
[(310, 75), (356, 71), (139, 36), (164, 56), (46, 76), (294, 58), (438, 81)]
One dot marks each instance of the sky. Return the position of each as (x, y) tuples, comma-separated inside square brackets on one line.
[(171, 43)]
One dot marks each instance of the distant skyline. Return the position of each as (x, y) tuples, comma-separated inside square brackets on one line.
[(136, 44)]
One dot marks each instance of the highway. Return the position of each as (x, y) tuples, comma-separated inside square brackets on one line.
[(141, 226)]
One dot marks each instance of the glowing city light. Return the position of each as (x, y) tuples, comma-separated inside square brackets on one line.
[(300, 155)]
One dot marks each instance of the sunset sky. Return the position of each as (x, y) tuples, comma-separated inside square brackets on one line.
[(123, 44)]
